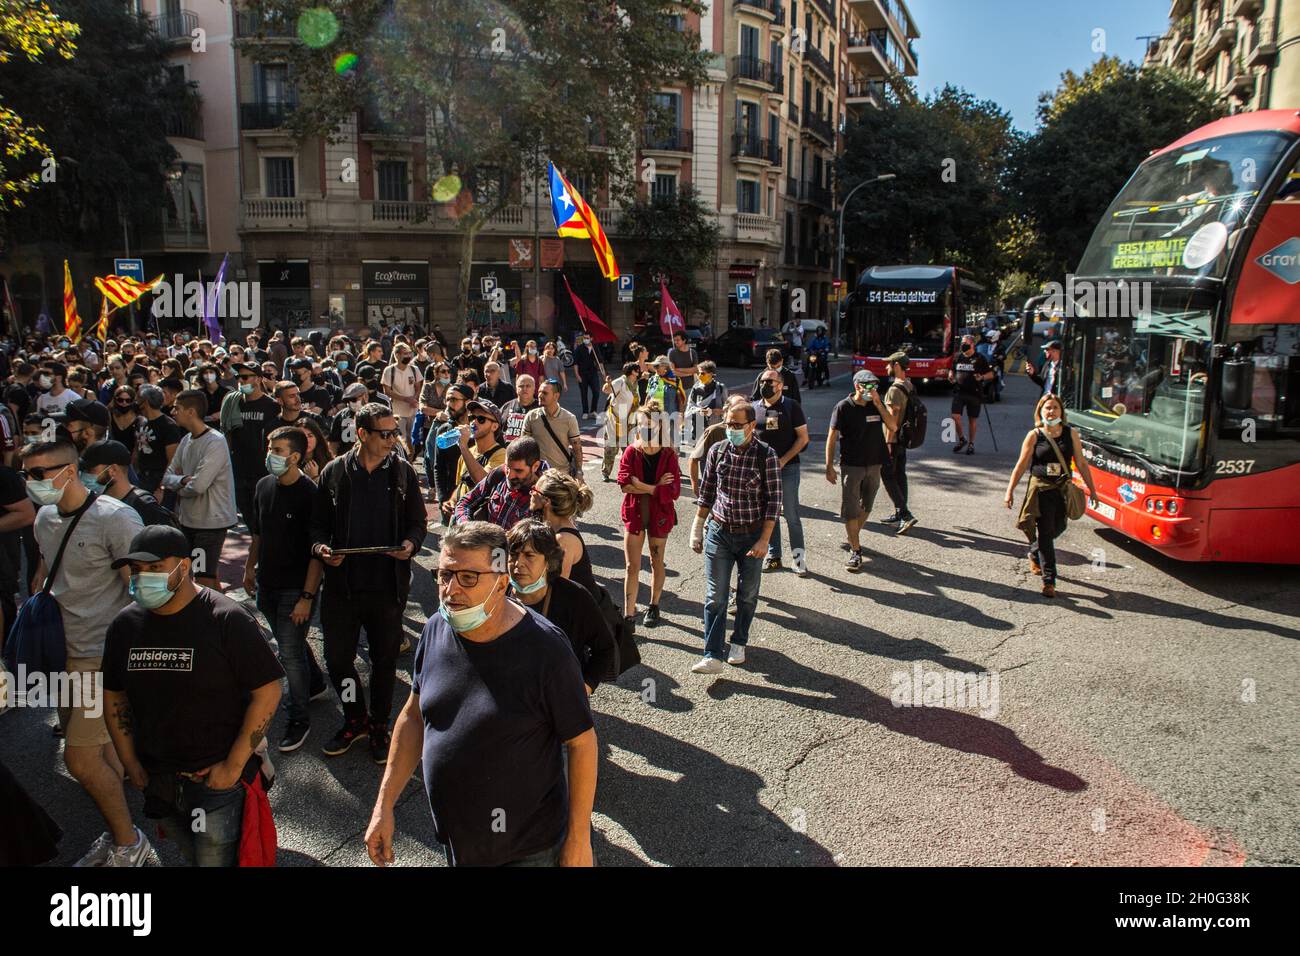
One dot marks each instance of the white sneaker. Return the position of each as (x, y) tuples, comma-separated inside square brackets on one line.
[(737, 655), (708, 665), (98, 852), (128, 856)]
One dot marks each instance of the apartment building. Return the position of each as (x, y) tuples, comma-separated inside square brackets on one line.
[(1247, 51)]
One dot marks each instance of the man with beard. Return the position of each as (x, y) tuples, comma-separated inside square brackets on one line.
[(502, 497)]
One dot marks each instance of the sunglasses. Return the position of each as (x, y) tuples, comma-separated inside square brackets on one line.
[(249, 378), (384, 433), (41, 472), (482, 418)]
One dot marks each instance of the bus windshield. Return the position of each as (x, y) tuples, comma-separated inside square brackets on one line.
[(1180, 212), (884, 330), (1138, 386)]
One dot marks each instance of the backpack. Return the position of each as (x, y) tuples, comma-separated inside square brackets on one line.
[(626, 654), (915, 421)]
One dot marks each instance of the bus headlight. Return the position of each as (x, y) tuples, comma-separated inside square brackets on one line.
[(1160, 507), (1151, 504), (1172, 509)]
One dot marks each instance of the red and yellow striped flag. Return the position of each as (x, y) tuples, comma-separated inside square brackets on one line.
[(71, 321), (101, 330), (573, 217), (123, 290)]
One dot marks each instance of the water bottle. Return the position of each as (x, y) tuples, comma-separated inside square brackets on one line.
[(449, 439)]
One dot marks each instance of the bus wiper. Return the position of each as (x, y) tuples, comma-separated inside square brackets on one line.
[(1128, 453)]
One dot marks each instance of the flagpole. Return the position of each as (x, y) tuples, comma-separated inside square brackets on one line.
[(537, 240)]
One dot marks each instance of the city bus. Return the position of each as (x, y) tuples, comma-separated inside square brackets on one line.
[(916, 309), (1182, 346)]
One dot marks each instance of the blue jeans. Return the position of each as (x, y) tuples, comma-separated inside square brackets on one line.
[(722, 552), (789, 508), (296, 656), (210, 838)]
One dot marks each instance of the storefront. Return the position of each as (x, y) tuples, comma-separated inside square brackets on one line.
[(395, 293), (484, 279), (286, 293)]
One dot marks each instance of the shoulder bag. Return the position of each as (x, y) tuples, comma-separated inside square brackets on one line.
[(1075, 502)]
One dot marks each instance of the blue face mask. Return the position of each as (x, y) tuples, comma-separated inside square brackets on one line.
[(736, 436), (466, 619), (343, 365), (245, 389), (528, 588), (150, 589), (92, 483), (277, 464)]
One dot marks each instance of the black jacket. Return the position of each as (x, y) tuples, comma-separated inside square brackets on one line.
[(330, 511)]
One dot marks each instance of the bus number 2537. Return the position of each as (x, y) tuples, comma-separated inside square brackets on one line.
[(1238, 467)]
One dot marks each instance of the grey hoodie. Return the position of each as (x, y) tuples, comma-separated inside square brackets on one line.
[(208, 501)]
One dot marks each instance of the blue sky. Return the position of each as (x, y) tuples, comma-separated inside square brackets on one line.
[(1009, 51)]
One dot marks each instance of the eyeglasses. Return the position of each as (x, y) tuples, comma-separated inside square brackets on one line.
[(482, 418), (735, 424), (41, 472), (385, 433), (466, 579)]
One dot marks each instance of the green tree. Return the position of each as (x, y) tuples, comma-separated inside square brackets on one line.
[(32, 29), (105, 117), (949, 152), (1094, 131), (671, 236), (501, 89)]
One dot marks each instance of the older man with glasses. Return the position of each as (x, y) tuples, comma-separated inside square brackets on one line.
[(368, 499)]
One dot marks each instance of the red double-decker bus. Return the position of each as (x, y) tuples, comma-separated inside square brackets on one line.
[(916, 309), (1188, 401)]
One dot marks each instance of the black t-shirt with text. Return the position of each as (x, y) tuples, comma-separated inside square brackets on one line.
[(776, 426), (151, 441), (248, 441), (968, 368), (862, 434), (281, 518), (189, 677)]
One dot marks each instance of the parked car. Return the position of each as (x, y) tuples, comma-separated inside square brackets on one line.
[(659, 344), (745, 346)]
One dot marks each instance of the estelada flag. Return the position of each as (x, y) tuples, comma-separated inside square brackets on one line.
[(573, 217), (71, 321), (670, 317), (101, 330), (599, 331), (123, 290)]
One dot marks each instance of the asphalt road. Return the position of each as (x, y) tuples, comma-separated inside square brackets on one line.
[(1145, 716)]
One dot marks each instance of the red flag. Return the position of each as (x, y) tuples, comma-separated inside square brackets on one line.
[(670, 317), (598, 330)]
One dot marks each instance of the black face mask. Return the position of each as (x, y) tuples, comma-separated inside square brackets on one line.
[(768, 390)]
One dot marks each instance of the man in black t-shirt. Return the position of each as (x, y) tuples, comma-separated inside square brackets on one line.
[(970, 371), (281, 573), (104, 468), (157, 436), (859, 423), (258, 413), (190, 688), (781, 424), (343, 427), (496, 694)]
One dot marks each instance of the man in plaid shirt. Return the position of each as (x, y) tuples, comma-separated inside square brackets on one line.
[(506, 488), (740, 501)]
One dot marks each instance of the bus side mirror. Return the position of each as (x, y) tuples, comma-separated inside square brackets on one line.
[(1238, 384), (1026, 330)]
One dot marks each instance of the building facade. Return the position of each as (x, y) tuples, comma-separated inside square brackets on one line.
[(1247, 51)]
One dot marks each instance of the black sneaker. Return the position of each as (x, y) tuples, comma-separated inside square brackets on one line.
[(295, 734), (907, 525), (970, 449), (892, 519), (772, 564), (348, 734), (379, 741), (652, 615), (959, 446)]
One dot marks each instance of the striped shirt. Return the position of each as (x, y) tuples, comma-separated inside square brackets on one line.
[(741, 486), (505, 506)]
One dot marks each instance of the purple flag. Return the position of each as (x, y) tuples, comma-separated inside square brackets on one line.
[(211, 321)]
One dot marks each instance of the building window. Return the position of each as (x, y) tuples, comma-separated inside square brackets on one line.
[(391, 174), (186, 208), (747, 196), (771, 201), (664, 187), (669, 105), (279, 177), (272, 83)]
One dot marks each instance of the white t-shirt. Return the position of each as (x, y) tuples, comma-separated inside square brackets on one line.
[(403, 388), (48, 404)]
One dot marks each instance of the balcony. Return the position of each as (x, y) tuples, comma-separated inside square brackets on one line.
[(186, 127), (770, 10), (1261, 46), (791, 187), (249, 25), (406, 125), (1178, 8), (865, 93), (1241, 82), (817, 195), (351, 218), (1208, 46), (759, 150), (259, 115), (792, 111), (1247, 8), (667, 141), (747, 227), (177, 236), (827, 7), (274, 213), (753, 70), (176, 27), (1181, 41), (819, 127), (866, 54), (814, 58), (392, 213)]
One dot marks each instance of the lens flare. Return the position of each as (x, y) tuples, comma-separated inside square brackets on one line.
[(317, 27), (446, 189), (345, 63), (462, 204)]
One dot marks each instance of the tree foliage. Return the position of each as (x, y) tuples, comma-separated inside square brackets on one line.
[(502, 88), (1094, 131), (949, 152), (104, 118), (672, 236)]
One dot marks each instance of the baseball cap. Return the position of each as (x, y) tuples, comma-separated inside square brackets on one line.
[(898, 358), (251, 367), (463, 390), (1054, 344), (154, 543), (106, 452), (865, 377), (486, 407), (367, 372), (86, 410)]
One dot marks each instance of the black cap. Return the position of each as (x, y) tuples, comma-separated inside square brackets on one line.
[(367, 372), (154, 543), (485, 407), (463, 390), (86, 410), (251, 367), (106, 452)]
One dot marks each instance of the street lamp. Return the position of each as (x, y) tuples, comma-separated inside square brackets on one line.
[(839, 258)]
